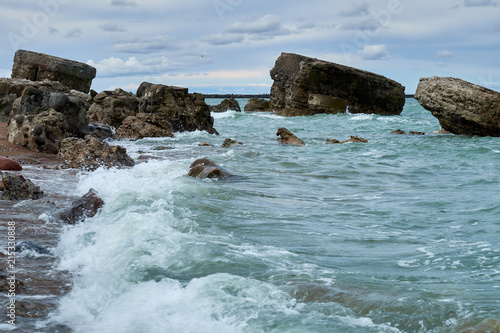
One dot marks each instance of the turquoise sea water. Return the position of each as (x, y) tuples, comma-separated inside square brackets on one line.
[(400, 234)]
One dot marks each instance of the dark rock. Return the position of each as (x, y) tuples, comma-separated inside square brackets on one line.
[(287, 137), (39, 67), (86, 206), (204, 168), (205, 144), (144, 125), (29, 246), (332, 141), (416, 133), (92, 153), (184, 111), (398, 132), (230, 143), (100, 131), (460, 106), (307, 86), (112, 107), (257, 105), (6, 283), (351, 139), (16, 187), (226, 105), (9, 165)]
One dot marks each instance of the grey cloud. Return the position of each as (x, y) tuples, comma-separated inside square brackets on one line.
[(480, 3), (221, 39), (368, 24), (112, 27), (123, 3), (146, 45), (53, 31), (74, 33), (266, 26), (357, 9)]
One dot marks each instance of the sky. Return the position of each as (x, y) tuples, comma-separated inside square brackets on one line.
[(229, 46)]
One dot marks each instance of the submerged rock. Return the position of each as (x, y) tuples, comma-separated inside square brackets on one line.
[(204, 168), (307, 86), (257, 105), (86, 206), (9, 165), (92, 153), (460, 106), (16, 187), (226, 105), (287, 137), (29, 246)]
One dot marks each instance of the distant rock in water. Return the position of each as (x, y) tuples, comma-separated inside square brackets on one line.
[(86, 206), (307, 86), (92, 153), (16, 187), (230, 143), (204, 168), (460, 106), (226, 105), (401, 132), (257, 105), (352, 139), (287, 137)]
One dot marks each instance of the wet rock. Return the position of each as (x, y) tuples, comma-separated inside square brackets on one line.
[(416, 133), (398, 132), (86, 206), (226, 105), (29, 246), (184, 111), (16, 187), (91, 153), (100, 131), (6, 283), (144, 125), (287, 137), (352, 139), (204, 168), (39, 67), (307, 86), (112, 107), (205, 144), (460, 106), (228, 143), (257, 105), (9, 165)]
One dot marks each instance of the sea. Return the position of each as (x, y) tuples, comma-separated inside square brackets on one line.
[(399, 234)]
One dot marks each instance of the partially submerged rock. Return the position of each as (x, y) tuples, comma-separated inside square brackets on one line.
[(257, 105), (86, 206), (460, 106), (16, 187), (8, 164), (230, 143), (307, 86), (229, 104), (91, 153), (287, 137), (352, 139), (144, 125), (204, 168)]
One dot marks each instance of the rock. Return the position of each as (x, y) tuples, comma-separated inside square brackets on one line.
[(226, 105), (205, 144), (416, 133), (307, 86), (398, 132), (443, 131), (6, 283), (204, 168), (29, 246), (257, 105), (460, 106), (39, 67), (9, 165), (112, 107), (230, 143), (184, 111), (16, 187), (92, 153), (100, 131), (287, 137), (351, 139), (144, 125), (86, 206)]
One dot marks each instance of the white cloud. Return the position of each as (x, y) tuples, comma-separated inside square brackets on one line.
[(357, 9), (225, 39), (116, 66), (145, 45), (374, 52), (444, 54), (265, 26), (480, 3)]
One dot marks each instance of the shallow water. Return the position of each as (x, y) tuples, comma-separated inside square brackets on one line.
[(400, 234)]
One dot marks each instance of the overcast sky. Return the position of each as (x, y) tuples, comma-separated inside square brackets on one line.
[(229, 46)]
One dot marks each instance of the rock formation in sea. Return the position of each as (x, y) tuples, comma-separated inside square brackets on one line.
[(352, 139), (307, 86), (204, 168), (228, 143), (287, 137), (226, 105), (91, 153), (257, 105), (144, 125), (460, 106), (16, 187), (86, 206), (35, 66), (112, 107)]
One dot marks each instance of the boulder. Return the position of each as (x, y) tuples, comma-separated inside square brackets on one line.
[(101, 131), (228, 143), (184, 111), (86, 206), (351, 139), (204, 168), (35, 66), (112, 107), (460, 106), (307, 86), (16, 187), (9, 165), (144, 125), (257, 105), (91, 153), (226, 105), (287, 137)]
